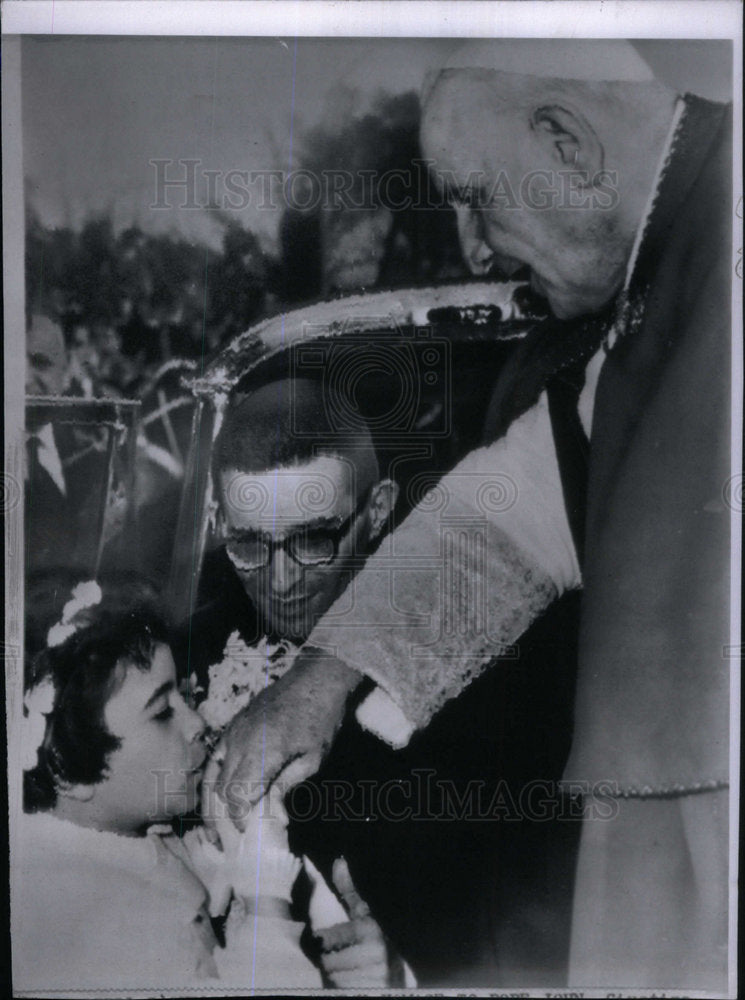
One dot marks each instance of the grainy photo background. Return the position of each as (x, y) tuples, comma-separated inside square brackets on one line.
[(176, 192)]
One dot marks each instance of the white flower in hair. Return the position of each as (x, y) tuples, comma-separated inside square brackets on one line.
[(84, 595), (39, 702)]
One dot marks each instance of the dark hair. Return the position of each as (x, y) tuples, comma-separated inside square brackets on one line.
[(259, 430), (123, 628)]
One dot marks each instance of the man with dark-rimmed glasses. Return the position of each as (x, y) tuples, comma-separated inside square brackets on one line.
[(298, 511)]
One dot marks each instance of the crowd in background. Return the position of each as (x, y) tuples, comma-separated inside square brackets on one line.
[(128, 302)]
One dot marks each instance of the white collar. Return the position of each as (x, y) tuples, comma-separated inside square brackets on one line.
[(130, 853), (49, 457)]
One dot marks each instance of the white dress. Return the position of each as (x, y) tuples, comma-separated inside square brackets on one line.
[(100, 911)]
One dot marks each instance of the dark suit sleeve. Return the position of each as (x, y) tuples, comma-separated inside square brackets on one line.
[(223, 608)]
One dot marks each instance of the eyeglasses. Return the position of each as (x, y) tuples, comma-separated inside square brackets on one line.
[(314, 545)]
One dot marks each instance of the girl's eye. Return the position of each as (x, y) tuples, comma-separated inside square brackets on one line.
[(165, 714)]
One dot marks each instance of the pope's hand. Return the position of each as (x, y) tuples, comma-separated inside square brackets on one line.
[(285, 732)]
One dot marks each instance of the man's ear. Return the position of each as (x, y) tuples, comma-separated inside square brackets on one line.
[(573, 140), (382, 501), (79, 792)]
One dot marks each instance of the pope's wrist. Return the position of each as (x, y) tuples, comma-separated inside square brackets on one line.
[(343, 677)]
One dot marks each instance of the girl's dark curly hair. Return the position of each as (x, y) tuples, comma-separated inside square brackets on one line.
[(86, 670)]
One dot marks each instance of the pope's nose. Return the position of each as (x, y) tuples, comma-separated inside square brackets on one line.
[(477, 254), (479, 257)]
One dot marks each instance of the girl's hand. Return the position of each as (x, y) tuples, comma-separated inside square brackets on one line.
[(257, 861), (355, 953)]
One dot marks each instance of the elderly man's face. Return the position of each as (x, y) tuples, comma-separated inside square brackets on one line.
[(487, 148), (308, 524)]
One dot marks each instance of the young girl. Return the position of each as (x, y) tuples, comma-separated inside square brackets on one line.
[(107, 896)]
